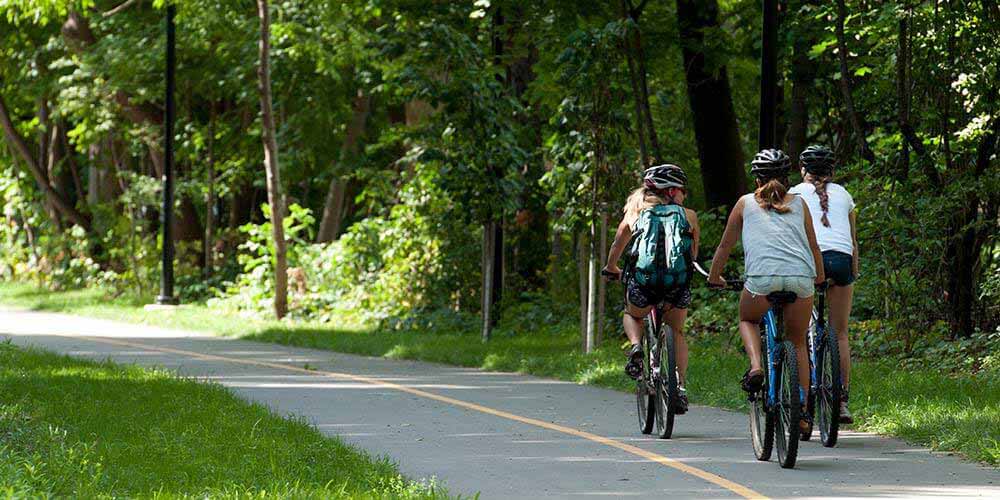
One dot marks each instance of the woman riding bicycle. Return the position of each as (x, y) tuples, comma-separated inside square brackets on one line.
[(662, 185), (832, 209), (780, 255)]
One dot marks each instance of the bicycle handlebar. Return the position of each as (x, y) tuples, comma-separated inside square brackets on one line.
[(734, 285)]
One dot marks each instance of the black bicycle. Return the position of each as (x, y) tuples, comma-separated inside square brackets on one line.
[(824, 369), (774, 408), (657, 391)]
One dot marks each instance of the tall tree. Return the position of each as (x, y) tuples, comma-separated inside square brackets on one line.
[(274, 196), (335, 204), (35, 166), (716, 130)]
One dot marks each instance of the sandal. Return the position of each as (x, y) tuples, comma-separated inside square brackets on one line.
[(752, 381), (805, 421)]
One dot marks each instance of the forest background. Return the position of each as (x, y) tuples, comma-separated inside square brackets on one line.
[(462, 163)]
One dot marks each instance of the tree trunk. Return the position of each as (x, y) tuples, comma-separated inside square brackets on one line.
[(333, 208), (602, 292), (210, 198), (716, 130), (803, 77), (582, 245), (489, 248), (860, 128), (271, 166), (592, 288), (19, 145), (635, 56), (903, 94)]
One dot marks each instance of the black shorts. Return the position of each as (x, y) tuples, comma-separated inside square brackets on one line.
[(640, 296), (838, 267)]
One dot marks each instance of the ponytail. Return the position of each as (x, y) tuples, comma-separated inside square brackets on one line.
[(771, 195), (824, 197)]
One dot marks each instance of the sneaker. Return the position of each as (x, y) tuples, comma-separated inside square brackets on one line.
[(681, 406), (752, 383), (845, 413), (633, 368)]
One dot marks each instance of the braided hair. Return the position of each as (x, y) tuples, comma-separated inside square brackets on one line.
[(824, 197), (818, 162)]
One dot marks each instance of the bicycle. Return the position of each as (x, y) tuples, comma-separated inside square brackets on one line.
[(774, 408), (657, 389), (824, 371)]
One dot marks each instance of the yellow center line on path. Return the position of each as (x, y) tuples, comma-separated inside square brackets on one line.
[(720, 481)]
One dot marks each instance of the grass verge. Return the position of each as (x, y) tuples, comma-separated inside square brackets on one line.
[(73, 428), (954, 413)]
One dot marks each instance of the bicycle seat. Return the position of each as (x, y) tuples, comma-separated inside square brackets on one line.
[(781, 298)]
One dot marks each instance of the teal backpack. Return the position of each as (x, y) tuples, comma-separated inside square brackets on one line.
[(660, 248)]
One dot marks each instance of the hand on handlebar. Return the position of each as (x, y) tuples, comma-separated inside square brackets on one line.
[(614, 274), (716, 282)]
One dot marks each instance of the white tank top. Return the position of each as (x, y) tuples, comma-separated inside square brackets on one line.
[(837, 237), (776, 244)]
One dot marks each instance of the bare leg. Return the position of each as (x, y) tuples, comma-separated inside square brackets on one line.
[(675, 318), (751, 310), (840, 298), (632, 322), (797, 316)]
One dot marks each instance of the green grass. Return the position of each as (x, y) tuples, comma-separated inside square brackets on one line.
[(74, 428), (955, 413)]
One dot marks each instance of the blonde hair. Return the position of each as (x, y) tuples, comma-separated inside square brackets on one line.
[(641, 199), (771, 195), (824, 197)]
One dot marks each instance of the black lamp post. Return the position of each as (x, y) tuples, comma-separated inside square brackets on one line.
[(769, 77), (166, 296)]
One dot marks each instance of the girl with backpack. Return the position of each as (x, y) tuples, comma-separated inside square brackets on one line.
[(832, 209), (780, 254), (662, 237)]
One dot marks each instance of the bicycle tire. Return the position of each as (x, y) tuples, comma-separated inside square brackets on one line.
[(829, 385), (811, 337), (666, 385), (644, 400), (761, 418), (788, 407)]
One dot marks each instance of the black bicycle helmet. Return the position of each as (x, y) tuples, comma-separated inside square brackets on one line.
[(665, 176), (818, 160), (770, 164)]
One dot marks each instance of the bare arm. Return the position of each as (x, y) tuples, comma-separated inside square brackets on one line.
[(813, 246), (734, 226), (622, 236), (856, 261), (695, 232)]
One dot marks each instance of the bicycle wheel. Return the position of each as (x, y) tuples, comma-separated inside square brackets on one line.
[(788, 406), (762, 420), (643, 399), (829, 389), (666, 385), (811, 338)]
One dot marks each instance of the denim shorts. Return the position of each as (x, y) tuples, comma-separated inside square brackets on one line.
[(839, 267), (803, 286)]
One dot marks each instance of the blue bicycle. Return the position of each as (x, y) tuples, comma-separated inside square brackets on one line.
[(824, 370), (775, 408)]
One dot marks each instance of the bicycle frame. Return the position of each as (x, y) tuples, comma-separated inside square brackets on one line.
[(771, 337), (816, 336)]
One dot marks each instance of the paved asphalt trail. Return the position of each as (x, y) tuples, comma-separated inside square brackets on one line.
[(507, 435)]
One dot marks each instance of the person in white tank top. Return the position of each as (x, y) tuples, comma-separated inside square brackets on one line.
[(832, 209), (781, 254)]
